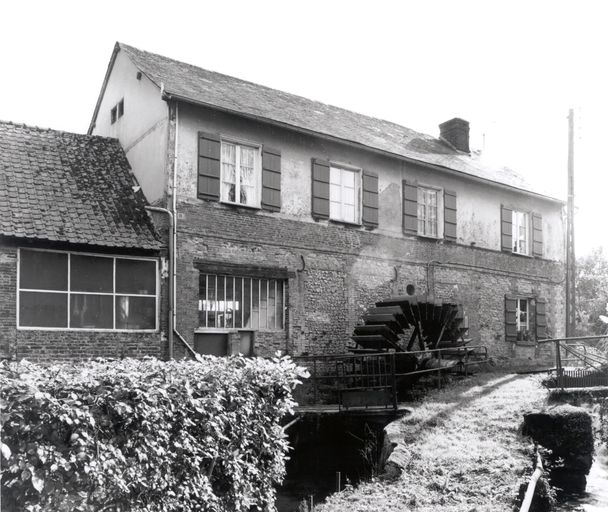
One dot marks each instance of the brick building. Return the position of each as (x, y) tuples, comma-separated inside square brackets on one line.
[(79, 257), (293, 217)]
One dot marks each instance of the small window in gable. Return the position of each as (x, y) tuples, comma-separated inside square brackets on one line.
[(121, 108), (113, 115), (344, 194)]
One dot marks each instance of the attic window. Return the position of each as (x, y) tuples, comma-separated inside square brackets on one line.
[(117, 111)]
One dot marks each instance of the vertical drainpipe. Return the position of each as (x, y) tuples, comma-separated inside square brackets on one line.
[(171, 314), (172, 213), (174, 234)]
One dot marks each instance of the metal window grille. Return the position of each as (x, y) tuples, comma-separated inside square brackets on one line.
[(232, 302)]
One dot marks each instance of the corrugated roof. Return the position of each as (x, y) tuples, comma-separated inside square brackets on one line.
[(67, 187), (199, 85)]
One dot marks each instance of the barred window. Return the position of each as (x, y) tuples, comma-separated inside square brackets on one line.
[(229, 302)]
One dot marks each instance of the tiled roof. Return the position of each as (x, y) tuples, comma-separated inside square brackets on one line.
[(66, 187), (199, 85)]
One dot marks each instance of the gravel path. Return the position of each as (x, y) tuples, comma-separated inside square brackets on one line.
[(460, 450)]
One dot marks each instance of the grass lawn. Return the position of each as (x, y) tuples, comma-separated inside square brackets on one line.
[(461, 450)]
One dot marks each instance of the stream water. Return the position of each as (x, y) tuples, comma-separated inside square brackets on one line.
[(595, 497), (328, 452)]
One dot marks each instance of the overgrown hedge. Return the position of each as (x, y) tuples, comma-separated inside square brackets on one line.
[(145, 435)]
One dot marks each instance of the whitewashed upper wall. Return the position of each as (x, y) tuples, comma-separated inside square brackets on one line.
[(142, 130), (478, 204)]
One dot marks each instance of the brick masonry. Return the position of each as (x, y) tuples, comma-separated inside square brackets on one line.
[(56, 345), (340, 271)]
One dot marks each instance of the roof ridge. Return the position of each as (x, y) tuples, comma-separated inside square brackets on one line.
[(53, 130), (272, 89)]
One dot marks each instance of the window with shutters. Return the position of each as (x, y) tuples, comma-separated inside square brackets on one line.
[(522, 318), (344, 187), (233, 302), (429, 212), (240, 173), (521, 232), (525, 318), (64, 290)]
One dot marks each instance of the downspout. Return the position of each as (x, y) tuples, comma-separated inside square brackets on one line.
[(171, 316), (174, 233), (174, 209)]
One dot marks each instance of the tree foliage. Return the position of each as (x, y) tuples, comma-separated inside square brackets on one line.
[(145, 435), (591, 292)]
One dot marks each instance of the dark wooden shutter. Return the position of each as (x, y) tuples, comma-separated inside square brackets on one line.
[(541, 319), (209, 151), (271, 179), (510, 318), (320, 189), (449, 215), (506, 229), (537, 235), (370, 199), (410, 208)]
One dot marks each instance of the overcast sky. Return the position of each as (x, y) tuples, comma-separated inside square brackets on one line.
[(512, 69)]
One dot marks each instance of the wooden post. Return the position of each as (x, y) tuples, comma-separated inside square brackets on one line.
[(394, 380), (570, 259), (439, 371), (314, 382), (558, 365)]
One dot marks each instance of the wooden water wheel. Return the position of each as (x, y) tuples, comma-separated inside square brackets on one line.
[(429, 324)]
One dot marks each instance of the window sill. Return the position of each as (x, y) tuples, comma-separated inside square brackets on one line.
[(82, 329), (345, 223), (522, 255), (219, 330), (239, 205), (525, 343), (429, 237)]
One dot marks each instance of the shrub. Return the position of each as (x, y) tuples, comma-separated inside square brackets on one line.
[(145, 435)]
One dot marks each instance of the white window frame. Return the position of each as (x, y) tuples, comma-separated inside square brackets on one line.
[(521, 327), (68, 292), (257, 170), (439, 217), (520, 219), (337, 166), (277, 282)]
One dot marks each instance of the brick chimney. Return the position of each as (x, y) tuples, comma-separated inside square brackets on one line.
[(456, 132)]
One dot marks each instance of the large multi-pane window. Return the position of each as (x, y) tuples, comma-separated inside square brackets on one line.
[(428, 207), (521, 227), (80, 291), (228, 302), (240, 173), (343, 194)]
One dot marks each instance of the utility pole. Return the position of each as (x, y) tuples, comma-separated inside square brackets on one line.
[(570, 259)]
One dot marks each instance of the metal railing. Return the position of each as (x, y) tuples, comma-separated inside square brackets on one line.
[(374, 380), (593, 371)]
